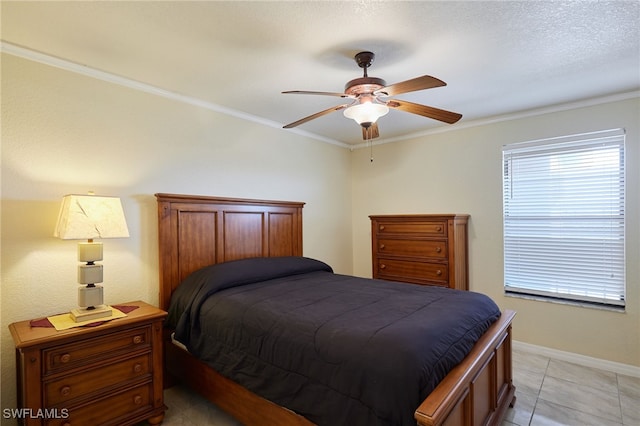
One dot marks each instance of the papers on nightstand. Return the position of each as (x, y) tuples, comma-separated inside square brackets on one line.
[(65, 321)]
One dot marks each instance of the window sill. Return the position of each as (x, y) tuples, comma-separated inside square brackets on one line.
[(577, 303)]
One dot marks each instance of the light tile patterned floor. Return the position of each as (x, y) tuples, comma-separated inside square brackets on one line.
[(549, 392), (554, 392)]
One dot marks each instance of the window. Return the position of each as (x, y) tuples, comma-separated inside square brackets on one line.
[(563, 212)]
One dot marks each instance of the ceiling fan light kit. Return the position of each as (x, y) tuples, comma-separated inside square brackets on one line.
[(366, 112), (368, 106)]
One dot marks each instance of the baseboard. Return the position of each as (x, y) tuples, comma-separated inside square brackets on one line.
[(587, 361)]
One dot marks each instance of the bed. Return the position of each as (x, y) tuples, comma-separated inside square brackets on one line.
[(197, 233)]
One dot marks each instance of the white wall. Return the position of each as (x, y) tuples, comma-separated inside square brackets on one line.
[(460, 172), (65, 133)]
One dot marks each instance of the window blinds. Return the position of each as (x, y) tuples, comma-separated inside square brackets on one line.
[(563, 211)]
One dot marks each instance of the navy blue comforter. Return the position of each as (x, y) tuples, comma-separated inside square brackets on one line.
[(339, 350)]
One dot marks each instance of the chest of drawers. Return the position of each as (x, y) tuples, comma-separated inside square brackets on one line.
[(110, 374), (421, 249)]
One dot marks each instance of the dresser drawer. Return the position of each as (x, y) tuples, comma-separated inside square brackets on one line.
[(112, 410), (93, 350), (91, 381), (416, 272), (425, 228), (415, 248)]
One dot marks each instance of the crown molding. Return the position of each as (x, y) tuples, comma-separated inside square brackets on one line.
[(511, 116), (32, 55)]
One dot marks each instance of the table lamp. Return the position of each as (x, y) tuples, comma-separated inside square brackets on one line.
[(88, 217)]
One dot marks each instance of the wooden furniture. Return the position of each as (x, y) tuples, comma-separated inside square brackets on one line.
[(195, 231), (110, 374), (424, 249)]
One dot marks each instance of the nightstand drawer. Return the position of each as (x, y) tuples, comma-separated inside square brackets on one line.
[(93, 350), (413, 248), (95, 380), (112, 410)]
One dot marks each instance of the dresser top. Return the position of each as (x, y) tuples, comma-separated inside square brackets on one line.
[(406, 217)]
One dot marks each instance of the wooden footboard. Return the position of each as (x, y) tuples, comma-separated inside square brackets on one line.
[(480, 389)]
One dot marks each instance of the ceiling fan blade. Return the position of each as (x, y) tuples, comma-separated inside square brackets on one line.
[(370, 133), (418, 83), (308, 92), (316, 115), (425, 111)]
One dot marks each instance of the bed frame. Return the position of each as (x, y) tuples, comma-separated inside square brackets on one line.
[(196, 231)]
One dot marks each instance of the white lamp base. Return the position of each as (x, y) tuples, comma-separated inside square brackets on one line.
[(90, 296), (84, 314)]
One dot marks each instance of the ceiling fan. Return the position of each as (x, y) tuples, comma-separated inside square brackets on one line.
[(369, 101)]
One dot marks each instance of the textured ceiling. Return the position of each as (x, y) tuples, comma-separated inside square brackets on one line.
[(497, 57)]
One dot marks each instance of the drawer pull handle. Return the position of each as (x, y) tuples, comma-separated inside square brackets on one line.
[(383, 266), (439, 229), (137, 340), (137, 400), (438, 272), (65, 358), (381, 227), (438, 249), (65, 390), (381, 246), (137, 368)]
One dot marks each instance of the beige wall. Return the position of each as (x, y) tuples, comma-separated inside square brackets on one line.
[(65, 133), (460, 172)]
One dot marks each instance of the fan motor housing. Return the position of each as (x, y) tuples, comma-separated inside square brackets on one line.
[(364, 85)]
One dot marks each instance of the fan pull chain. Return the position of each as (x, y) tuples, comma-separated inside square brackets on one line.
[(370, 151), (370, 140)]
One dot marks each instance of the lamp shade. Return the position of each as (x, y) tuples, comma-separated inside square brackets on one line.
[(366, 112), (90, 216)]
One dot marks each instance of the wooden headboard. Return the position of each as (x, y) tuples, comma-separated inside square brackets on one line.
[(197, 231)]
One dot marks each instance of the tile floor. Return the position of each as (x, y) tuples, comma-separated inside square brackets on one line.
[(554, 392), (549, 392)]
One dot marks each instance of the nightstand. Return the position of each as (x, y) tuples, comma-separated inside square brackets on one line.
[(109, 374)]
